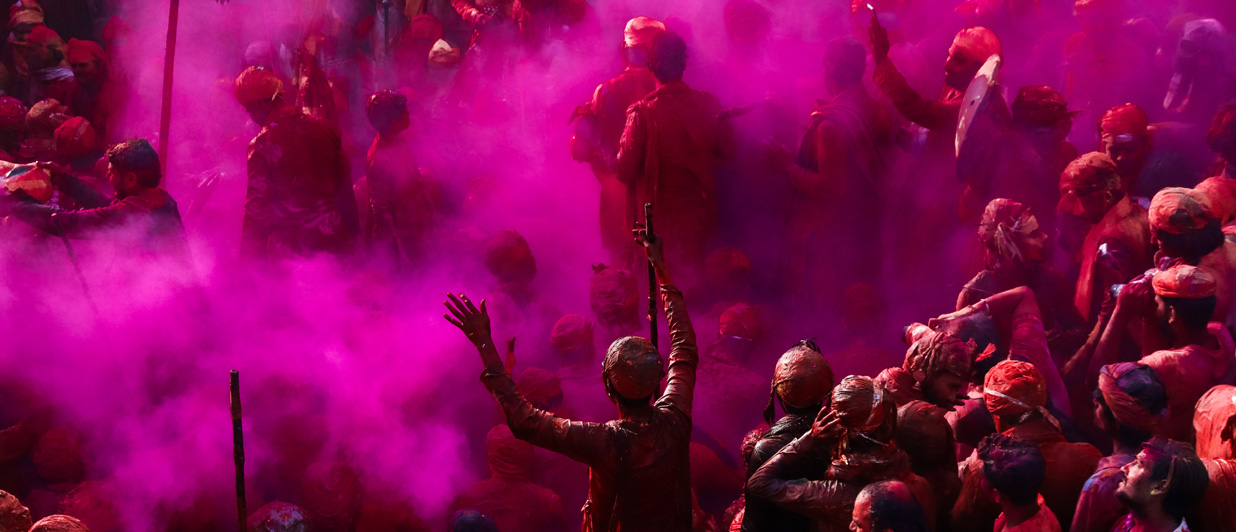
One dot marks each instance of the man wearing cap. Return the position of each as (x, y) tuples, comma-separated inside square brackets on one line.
[(1124, 136), (668, 154), (1187, 231), (1117, 247), (802, 384), (141, 210), (1016, 395), (639, 466), (598, 127), (100, 92), (300, 199), (1129, 406), (50, 75)]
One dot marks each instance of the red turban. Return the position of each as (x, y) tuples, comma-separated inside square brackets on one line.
[(977, 43), (75, 138), (80, 51), (571, 333), (1124, 123), (44, 117), (936, 352), (1000, 221), (257, 84), (1220, 193), (1127, 410), (1179, 211), (509, 258), (741, 321), (59, 523), (58, 456), (801, 378), (1040, 106), (508, 455), (612, 296), (25, 12), (1183, 282), (1094, 169), (279, 517), (331, 495), (45, 36), (12, 115), (13, 516), (425, 27), (640, 32), (864, 407), (1014, 388), (538, 386)]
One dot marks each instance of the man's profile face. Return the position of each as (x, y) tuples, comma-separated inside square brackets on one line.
[(1129, 155), (1135, 489), (85, 70), (945, 389), (860, 518), (961, 67)]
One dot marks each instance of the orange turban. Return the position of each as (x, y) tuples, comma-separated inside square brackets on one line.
[(1183, 282), (75, 138), (257, 84), (977, 42), (934, 352), (1124, 123), (641, 31), (1220, 193), (45, 36), (1179, 211), (1127, 410), (44, 117), (1014, 388), (1001, 220)]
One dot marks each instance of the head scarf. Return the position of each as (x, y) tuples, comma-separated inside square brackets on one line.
[(331, 495), (612, 295), (13, 516), (1124, 123), (1016, 389), (80, 51), (279, 517), (509, 258), (75, 138), (44, 117), (508, 455), (937, 352), (58, 456), (257, 84), (1184, 282), (863, 407), (1127, 410), (1002, 219), (538, 386), (1094, 169), (633, 367), (741, 321), (977, 43), (640, 32), (801, 378), (1179, 211), (1040, 106), (25, 12), (59, 523), (571, 333)]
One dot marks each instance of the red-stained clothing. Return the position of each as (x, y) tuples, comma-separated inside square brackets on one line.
[(1187, 373), (299, 200), (639, 467), (150, 220), (1098, 509), (1221, 264), (515, 504), (938, 116), (1069, 465), (1115, 250), (837, 202), (1042, 521), (761, 515), (1217, 510), (830, 502), (402, 203), (924, 433), (669, 151)]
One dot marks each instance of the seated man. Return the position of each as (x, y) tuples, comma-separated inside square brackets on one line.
[(141, 211)]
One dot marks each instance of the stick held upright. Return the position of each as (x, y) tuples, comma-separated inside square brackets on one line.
[(238, 453)]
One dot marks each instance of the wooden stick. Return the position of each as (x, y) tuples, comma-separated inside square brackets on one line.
[(652, 281), (169, 61), (238, 454)]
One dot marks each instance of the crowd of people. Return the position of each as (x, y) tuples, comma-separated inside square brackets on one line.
[(1077, 166)]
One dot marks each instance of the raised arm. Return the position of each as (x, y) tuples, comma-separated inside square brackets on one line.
[(930, 114), (583, 442), (684, 352)]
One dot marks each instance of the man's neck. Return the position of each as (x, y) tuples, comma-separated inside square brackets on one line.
[(1201, 337), (1015, 515), (1154, 519)]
